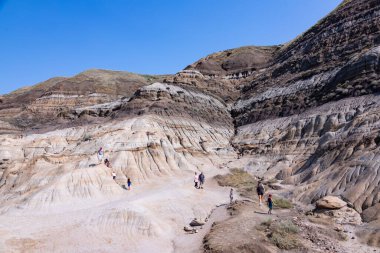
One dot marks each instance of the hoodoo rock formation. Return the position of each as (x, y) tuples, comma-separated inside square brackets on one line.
[(306, 113)]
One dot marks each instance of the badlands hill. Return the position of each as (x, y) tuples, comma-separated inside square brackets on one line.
[(305, 114)]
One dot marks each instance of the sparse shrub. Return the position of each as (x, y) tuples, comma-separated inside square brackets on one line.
[(267, 222), (288, 227), (343, 236), (283, 235), (87, 137), (283, 242)]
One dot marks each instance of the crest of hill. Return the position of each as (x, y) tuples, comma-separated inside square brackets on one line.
[(231, 61), (89, 81)]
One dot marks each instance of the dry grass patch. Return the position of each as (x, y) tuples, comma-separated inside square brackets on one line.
[(282, 203), (282, 234), (239, 179)]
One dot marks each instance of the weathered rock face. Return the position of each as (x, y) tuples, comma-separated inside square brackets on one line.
[(140, 148), (332, 149), (337, 58), (312, 117), (170, 100), (220, 86)]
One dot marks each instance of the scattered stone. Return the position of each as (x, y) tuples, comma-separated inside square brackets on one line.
[(197, 223)]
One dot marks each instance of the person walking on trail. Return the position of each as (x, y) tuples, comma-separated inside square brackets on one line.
[(129, 183), (100, 154), (113, 175), (201, 180), (260, 192), (196, 181), (270, 204), (231, 195)]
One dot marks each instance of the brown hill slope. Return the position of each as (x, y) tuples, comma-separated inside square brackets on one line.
[(46, 103)]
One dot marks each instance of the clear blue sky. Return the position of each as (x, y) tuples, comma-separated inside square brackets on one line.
[(46, 38)]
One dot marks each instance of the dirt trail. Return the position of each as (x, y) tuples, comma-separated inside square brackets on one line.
[(250, 229)]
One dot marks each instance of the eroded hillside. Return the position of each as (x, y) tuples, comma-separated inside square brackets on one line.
[(306, 113)]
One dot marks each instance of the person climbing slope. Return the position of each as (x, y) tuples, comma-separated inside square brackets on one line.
[(201, 180), (107, 163), (260, 192), (196, 180), (100, 155), (113, 175), (270, 204), (231, 195)]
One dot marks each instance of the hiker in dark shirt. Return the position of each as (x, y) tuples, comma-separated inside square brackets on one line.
[(260, 192), (201, 180), (107, 163)]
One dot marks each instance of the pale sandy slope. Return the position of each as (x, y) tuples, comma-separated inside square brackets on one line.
[(56, 198)]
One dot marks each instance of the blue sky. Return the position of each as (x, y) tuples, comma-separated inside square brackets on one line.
[(46, 38)]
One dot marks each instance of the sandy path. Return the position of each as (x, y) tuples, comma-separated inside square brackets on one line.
[(115, 224)]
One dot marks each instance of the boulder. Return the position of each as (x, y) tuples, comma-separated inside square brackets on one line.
[(196, 223), (330, 202)]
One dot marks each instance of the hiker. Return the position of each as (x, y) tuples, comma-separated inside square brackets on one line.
[(201, 180), (270, 204), (129, 183), (107, 162), (260, 191), (196, 180), (231, 195), (100, 154), (113, 175)]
